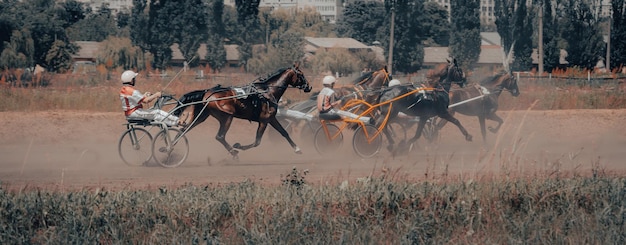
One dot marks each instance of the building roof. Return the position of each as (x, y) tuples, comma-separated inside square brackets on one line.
[(490, 38), (329, 42)]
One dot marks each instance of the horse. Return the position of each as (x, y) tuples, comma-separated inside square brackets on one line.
[(486, 103), (257, 102), (366, 87), (416, 101)]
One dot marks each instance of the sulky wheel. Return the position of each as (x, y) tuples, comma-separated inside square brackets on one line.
[(135, 146), (367, 141), (328, 143), (171, 151)]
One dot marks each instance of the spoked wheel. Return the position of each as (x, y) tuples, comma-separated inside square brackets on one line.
[(366, 142), (135, 146), (170, 152), (325, 144), (430, 132)]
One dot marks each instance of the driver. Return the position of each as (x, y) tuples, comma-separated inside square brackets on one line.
[(327, 101), (133, 100)]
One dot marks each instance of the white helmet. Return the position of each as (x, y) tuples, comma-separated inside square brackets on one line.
[(328, 80), (394, 82), (128, 76)]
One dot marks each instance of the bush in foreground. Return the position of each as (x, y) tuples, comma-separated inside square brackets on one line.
[(589, 210)]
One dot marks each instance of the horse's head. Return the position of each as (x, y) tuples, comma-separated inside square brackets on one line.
[(455, 74), (509, 82), (299, 81)]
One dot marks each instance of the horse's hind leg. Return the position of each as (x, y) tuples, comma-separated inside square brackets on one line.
[(496, 118), (257, 141), (456, 122), (225, 123)]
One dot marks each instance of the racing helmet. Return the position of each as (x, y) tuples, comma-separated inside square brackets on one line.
[(394, 82), (328, 80), (128, 76)]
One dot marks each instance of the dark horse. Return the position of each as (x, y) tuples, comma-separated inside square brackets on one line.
[(485, 104), (416, 101), (257, 102)]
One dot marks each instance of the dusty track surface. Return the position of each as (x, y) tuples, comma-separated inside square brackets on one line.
[(65, 149)]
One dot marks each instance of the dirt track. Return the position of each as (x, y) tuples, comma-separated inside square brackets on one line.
[(78, 149)]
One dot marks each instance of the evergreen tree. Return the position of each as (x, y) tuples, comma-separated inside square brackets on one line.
[(362, 20), (582, 33), (250, 32), (522, 34), (551, 51), (465, 38), (216, 53), (618, 34), (505, 24), (151, 29), (193, 23)]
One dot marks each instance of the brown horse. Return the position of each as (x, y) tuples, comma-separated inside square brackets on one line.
[(366, 87), (257, 102), (485, 104), (409, 100)]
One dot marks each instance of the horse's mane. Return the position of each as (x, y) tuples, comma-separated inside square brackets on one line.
[(365, 76), (493, 80), (439, 71), (263, 81)]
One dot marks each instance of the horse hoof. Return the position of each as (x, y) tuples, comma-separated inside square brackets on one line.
[(390, 148), (468, 138), (234, 152), (298, 151), (237, 145), (493, 130)]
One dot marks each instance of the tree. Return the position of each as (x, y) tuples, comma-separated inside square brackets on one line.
[(95, 27), (436, 25), (362, 20), (582, 33), (618, 34), (335, 60), (119, 52), (505, 24), (250, 32), (216, 53), (193, 24), (551, 51), (59, 57), (72, 11), (522, 34), (151, 29), (465, 38)]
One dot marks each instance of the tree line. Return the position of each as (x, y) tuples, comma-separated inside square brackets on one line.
[(43, 32)]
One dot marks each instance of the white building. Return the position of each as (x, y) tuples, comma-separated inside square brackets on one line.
[(328, 9)]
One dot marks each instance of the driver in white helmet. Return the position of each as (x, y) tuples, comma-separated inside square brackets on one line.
[(133, 100), (327, 101)]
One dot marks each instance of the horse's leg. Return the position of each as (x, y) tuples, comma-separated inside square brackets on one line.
[(456, 122), (257, 141), (276, 125), (418, 133), (442, 123), (494, 117), (481, 121), (225, 123)]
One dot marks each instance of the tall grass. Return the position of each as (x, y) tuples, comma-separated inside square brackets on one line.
[(378, 210), (100, 92)]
